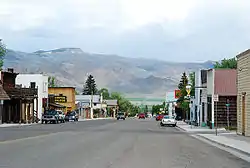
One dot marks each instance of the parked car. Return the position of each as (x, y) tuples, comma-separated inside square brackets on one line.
[(121, 115), (168, 120), (142, 115), (51, 116), (159, 117), (71, 116), (61, 116)]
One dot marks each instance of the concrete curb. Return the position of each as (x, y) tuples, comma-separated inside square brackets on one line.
[(16, 125), (224, 145), (95, 119), (194, 130), (181, 128)]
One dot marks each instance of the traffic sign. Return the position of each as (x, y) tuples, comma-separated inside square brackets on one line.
[(216, 98), (204, 99), (228, 105)]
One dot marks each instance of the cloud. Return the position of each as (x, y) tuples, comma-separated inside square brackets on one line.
[(177, 30)]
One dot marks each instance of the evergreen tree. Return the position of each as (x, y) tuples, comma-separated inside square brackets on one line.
[(90, 86), (183, 82), (146, 108), (192, 82), (2, 53)]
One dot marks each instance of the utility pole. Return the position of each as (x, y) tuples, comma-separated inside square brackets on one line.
[(227, 113), (101, 104), (91, 106), (216, 129)]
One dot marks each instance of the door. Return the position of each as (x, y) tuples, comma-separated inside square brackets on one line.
[(243, 115)]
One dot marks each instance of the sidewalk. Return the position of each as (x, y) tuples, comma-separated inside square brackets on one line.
[(224, 138), (19, 125), (191, 128), (233, 141), (14, 125)]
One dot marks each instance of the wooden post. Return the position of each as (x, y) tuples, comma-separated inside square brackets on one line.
[(25, 110), (33, 111), (36, 110), (29, 113), (21, 111)]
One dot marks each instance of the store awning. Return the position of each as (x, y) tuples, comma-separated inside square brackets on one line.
[(57, 105)]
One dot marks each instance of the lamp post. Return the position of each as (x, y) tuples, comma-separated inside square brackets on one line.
[(188, 90)]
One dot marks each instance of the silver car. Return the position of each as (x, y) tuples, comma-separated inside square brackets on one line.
[(168, 120)]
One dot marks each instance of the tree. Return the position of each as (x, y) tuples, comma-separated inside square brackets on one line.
[(146, 108), (183, 82), (156, 108), (105, 93), (184, 105), (90, 86), (52, 82), (226, 63), (182, 86), (76, 92), (2, 53), (124, 104), (192, 82)]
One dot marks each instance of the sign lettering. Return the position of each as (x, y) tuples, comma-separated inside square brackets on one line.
[(60, 99)]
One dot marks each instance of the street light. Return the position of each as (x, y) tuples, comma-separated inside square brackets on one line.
[(188, 90)]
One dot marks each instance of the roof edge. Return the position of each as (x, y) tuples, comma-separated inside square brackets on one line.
[(243, 53)]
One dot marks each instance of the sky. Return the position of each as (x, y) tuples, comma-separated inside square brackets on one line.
[(171, 30)]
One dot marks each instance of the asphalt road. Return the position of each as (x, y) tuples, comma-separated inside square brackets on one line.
[(109, 144)]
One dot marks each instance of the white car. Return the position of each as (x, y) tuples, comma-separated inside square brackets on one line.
[(168, 120)]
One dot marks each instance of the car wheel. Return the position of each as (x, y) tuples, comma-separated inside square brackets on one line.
[(174, 125), (124, 119), (161, 124)]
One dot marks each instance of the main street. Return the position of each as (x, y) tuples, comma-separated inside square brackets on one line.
[(108, 144)]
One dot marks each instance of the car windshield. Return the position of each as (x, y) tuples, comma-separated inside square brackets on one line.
[(120, 113), (168, 117), (50, 113)]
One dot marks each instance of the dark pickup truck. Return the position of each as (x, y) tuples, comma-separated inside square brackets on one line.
[(120, 115)]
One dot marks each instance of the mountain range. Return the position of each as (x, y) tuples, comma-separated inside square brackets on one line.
[(135, 77)]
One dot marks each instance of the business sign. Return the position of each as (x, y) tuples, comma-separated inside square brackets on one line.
[(204, 99), (216, 98), (60, 99), (177, 94), (170, 97)]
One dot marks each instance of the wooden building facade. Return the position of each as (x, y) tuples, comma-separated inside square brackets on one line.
[(19, 108), (222, 82)]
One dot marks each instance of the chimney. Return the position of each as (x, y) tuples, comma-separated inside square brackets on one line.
[(10, 70)]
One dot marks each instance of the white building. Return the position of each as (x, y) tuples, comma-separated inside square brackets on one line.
[(37, 80), (171, 101), (200, 102), (84, 102)]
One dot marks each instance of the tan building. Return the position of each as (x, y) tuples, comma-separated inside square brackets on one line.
[(64, 96), (243, 95)]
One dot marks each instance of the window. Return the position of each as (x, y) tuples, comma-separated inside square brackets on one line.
[(33, 84), (45, 86)]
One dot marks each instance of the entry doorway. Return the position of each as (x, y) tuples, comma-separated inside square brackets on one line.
[(243, 114)]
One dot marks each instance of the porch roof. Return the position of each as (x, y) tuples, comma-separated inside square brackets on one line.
[(57, 105), (3, 94)]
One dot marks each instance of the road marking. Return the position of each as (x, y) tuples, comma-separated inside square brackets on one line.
[(29, 138)]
